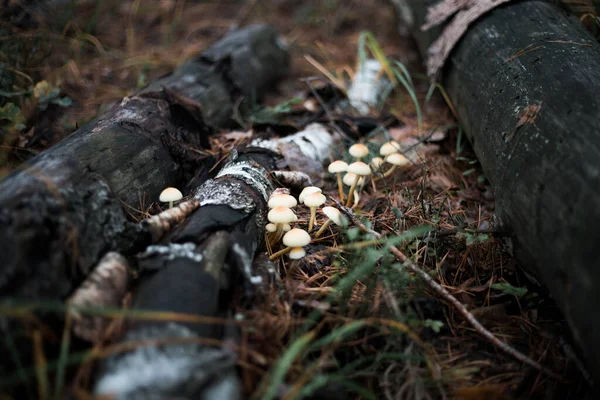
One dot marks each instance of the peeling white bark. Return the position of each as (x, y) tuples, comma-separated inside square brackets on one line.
[(105, 287), (173, 251), (162, 368), (367, 86)]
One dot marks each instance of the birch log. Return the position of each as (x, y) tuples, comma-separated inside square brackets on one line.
[(524, 80), (61, 211)]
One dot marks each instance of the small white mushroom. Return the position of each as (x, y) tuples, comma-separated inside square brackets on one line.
[(294, 238), (337, 167), (333, 215), (397, 160), (376, 163), (169, 195), (297, 253), (279, 216), (306, 191), (358, 151), (271, 227), (360, 169), (313, 201), (284, 200), (349, 179), (389, 148)]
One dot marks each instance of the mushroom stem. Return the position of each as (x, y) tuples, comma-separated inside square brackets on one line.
[(351, 192), (389, 171), (313, 217), (340, 186), (170, 204), (325, 225), (279, 253), (276, 236)]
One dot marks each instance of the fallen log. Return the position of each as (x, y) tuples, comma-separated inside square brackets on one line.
[(62, 210), (194, 271), (524, 82)]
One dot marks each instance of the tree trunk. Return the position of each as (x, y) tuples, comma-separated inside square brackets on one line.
[(524, 80), (62, 210)]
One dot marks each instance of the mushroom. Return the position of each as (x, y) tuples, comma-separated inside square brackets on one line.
[(313, 201), (349, 179), (271, 227), (358, 151), (294, 238), (308, 190), (297, 253), (376, 163), (333, 215), (280, 216), (396, 159), (169, 195), (337, 167), (281, 199), (360, 169), (389, 148)]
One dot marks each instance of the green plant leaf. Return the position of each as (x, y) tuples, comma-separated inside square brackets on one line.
[(507, 288), (12, 113)]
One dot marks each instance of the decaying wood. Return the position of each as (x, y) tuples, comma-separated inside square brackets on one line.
[(67, 207), (61, 211), (519, 58), (195, 268)]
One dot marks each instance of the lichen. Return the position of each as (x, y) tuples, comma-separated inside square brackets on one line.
[(173, 251), (225, 192)]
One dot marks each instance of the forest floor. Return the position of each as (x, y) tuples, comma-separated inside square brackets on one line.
[(99, 52)]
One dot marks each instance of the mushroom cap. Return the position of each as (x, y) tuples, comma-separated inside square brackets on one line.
[(271, 227), (389, 148), (170, 194), (308, 190), (315, 199), (297, 253), (337, 166), (284, 200), (349, 179), (333, 214), (296, 238), (376, 163), (359, 168), (358, 150), (397, 159), (281, 215), (287, 227)]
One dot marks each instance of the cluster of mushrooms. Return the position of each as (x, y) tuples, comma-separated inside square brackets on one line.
[(281, 216), (356, 172), (281, 203)]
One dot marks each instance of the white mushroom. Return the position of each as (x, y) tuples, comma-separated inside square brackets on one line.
[(333, 215), (170, 195), (360, 169), (297, 253), (284, 200), (397, 160), (358, 151), (337, 167), (280, 216), (376, 163), (313, 201), (308, 190), (389, 148), (294, 238), (349, 179)]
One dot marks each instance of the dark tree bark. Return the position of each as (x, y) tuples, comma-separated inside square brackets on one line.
[(524, 80), (62, 210)]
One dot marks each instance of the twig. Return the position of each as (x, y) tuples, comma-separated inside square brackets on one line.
[(444, 294)]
